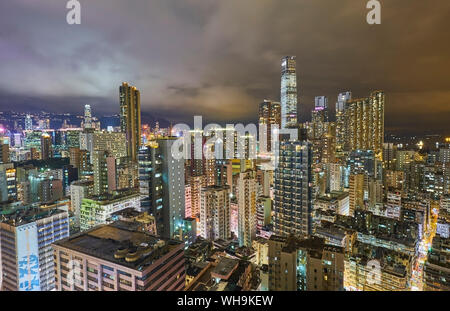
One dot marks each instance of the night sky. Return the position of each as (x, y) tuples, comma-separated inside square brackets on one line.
[(220, 59)]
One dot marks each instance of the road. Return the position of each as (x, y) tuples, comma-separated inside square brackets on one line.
[(424, 246)]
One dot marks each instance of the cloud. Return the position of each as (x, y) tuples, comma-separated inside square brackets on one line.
[(222, 58)]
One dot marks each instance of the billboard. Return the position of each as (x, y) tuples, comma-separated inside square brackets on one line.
[(28, 257)]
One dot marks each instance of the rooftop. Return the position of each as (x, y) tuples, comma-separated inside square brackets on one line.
[(19, 215), (225, 267), (117, 195), (121, 244)]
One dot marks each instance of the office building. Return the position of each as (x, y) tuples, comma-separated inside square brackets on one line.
[(87, 117), (288, 91)]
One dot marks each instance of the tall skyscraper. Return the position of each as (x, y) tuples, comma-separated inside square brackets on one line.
[(46, 147), (269, 116), (293, 194), (288, 91), (28, 123), (130, 118), (321, 104), (365, 123), (87, 117), (26, 252), (215, 213), (247, 192), (343, 98), (166, 189)]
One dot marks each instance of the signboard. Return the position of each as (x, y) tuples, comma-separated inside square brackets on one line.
[(28, 257)]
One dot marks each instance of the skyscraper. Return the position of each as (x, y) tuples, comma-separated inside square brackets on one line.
[(288, 91), (46, 146), (365, 123), (26, 252), (87, 117), (166, 188), (247, 192), (321, 104), (293, 194), (130, 118), (340, 120), (28, 123), (215, 213), (269, 116)]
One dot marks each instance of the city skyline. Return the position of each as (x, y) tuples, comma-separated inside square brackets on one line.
[(162, 146)]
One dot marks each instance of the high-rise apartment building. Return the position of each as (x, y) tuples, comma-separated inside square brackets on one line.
[(26, 236), (293, 194), (269, 119), (365, 123), (304, 265), (247, 195), (4, 153), (114, 142), (104, 172), (263, 213), (130, 118), (78, 191), (356, 192), (342, 100), (215, 213), (8, 183), (288, 91)]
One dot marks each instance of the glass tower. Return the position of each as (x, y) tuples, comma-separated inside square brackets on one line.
[(288, 91)]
